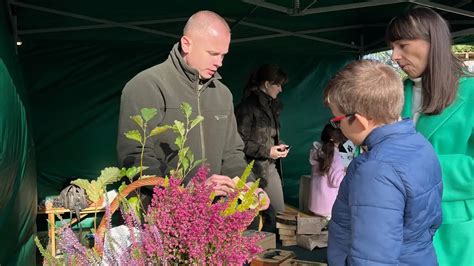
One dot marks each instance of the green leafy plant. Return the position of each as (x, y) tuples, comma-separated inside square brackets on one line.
[(96, 188), (146, 114), (186, 160), (48, 258), (247, 197)]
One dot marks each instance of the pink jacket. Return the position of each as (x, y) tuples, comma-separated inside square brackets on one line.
[(324, 188)]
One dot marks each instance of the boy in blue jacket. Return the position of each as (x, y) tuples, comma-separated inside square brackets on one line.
[(388, 206)]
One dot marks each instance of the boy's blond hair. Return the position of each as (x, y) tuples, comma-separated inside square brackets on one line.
[(369, 88)]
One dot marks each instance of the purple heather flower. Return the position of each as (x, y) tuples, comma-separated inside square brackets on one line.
[(71, 247)]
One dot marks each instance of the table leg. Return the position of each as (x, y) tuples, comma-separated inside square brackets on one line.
[(52, 233)]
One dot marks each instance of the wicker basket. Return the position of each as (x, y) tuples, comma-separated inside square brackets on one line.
[(149, 181)]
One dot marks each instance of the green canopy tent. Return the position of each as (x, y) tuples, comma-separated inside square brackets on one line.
[(61, 88)]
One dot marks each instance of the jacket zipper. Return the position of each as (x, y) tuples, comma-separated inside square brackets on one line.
[(201, 129)]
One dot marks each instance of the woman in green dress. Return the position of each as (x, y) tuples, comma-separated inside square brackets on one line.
[(439, 96)]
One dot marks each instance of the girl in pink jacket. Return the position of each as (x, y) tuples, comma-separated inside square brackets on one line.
[(327, 171)]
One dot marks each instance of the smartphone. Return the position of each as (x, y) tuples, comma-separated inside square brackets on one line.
[(286, 148)]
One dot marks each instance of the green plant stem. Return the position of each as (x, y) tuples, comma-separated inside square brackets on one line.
[(185, 137), (143, 149), (141, 159), (95, 217), (142, 207), (186, 131)]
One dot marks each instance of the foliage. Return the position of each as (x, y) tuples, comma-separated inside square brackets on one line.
[(96, 188), (246, 196), (386, 58), (462, 48), (146, 114), (48, 258), (186, 160)]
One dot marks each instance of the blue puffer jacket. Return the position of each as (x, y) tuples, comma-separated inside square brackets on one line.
[(389, 203)]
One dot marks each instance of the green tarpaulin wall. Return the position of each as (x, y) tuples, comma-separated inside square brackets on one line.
[(65, 83), (17, 169)]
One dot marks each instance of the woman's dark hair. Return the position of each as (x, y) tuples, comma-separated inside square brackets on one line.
[(329, 136), (267, 72), (440, 79)]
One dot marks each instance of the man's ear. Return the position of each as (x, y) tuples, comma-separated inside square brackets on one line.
[(186, 44)]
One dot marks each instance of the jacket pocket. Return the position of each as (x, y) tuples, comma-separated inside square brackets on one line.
[(452, 241), (220, 129), (222, 118)]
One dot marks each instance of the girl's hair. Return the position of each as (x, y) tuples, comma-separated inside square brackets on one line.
[(267, 72), (329, 136), (441, 76)]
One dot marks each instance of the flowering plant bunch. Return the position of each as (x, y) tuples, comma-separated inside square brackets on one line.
[(183, 224), (187, 225)]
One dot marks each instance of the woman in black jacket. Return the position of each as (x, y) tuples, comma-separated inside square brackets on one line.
[(258, 125)]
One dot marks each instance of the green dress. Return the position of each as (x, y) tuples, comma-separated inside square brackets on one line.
[(452, 135)]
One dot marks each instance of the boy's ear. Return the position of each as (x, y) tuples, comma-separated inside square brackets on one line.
[(364, 122)]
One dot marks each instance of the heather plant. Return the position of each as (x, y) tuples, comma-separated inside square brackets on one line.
[(182, 225)]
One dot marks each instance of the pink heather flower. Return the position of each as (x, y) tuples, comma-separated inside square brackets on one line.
[(181, 226), (193, 230), (152, 243)]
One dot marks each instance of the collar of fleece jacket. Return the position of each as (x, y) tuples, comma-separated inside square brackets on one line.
[(189, 73)]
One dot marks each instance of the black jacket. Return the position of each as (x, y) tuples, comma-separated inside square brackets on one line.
[(258, 125)]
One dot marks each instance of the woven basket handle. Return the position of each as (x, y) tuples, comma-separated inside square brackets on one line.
[(149, 181)]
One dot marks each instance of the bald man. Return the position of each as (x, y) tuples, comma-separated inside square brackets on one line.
[(188, 75)]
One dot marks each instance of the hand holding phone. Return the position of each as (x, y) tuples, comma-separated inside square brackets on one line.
[(287, 147), (279, 151)]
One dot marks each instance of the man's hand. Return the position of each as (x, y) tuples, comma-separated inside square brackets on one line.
[(262, 195), (222, 184)]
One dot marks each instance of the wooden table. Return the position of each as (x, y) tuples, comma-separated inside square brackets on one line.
[(52, 212)]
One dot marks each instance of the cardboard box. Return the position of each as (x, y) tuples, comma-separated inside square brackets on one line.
[(286, 237), (286, 243), (272, 257), (286, 219), (286, 232), (312, 241), (310, 225), (305, 193), (285, 226)]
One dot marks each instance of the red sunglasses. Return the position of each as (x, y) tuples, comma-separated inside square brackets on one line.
[(336, 121)]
